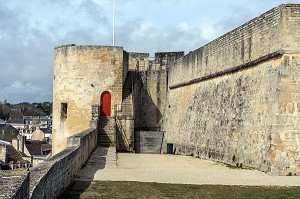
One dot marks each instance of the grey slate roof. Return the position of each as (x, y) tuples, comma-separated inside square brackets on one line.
[(8, 132)]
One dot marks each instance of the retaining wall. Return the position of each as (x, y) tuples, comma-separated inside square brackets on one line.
[(50, 178), (236, 99)]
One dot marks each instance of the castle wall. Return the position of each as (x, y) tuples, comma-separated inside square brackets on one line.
[(81, 75), (285, 143), (50, 178), (259, 37), (150, 95), (138, 61), (228, 118), (151, 90), (235, 99)]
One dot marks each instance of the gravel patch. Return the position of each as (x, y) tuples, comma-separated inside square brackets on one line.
[(181, 170)]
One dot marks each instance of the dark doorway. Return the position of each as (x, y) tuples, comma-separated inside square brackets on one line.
[(105, 108)]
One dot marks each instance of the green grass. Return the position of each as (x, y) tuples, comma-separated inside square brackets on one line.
[(110, 189)]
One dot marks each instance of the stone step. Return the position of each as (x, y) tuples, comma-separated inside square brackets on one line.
[(103, 157)]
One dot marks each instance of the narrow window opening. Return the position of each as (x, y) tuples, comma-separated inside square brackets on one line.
[(64, 111)]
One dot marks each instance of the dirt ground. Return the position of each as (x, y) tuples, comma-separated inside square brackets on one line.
[(173, 169)]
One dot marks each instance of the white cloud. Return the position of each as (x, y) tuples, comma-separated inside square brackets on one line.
[(29, 31)]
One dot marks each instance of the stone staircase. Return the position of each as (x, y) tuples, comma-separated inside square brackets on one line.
[(127, 104), (107, 131), (106, 156), (101, 158)]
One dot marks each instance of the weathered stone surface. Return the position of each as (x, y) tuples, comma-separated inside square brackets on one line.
[(81, 75), (50, 178), (151, 91), (236, 99)]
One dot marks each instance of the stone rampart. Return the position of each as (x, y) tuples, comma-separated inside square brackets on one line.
[(151, 90), (138, 61), (150, 95), (50, 178), (270, 32), (236, 99)]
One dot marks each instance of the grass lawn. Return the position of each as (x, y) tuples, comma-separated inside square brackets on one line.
[(110, 189)]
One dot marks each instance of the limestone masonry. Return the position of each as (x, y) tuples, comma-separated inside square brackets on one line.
[(235, 100)]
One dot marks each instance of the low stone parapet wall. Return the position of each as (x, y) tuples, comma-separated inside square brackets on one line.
[(50, 178)]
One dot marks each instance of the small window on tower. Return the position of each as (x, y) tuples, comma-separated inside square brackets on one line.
[(64, 111)]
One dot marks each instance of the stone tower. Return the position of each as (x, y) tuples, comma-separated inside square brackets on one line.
[(82, 74)]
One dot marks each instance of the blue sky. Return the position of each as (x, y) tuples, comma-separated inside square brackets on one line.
[(29, 31)]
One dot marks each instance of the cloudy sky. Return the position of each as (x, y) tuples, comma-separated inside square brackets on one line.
[(29, 31)]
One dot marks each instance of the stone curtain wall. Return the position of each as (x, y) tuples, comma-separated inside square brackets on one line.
[(228, 118), (151, 90), (257, 38), (236, 99), (50, 178), (81, 75), (150, 95), (138, 61), (285, 143)]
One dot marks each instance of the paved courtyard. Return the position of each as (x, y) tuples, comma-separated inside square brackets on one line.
[(103, 165)]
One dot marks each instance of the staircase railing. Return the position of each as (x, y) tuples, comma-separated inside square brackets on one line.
[(123, 133)]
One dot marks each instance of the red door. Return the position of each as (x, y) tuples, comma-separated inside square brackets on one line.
[(105, 108)]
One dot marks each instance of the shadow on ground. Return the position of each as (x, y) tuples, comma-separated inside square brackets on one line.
[(85, 176)]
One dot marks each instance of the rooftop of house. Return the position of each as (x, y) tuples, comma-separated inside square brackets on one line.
[(46, 130), (11, 153), (14, 155), (37, 117), (15, 121), (38, 148), (8, 132)]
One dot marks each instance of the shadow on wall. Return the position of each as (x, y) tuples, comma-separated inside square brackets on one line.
[(85, 176), (147, 112)]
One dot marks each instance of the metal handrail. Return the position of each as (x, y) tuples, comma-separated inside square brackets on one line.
[(123, 132)]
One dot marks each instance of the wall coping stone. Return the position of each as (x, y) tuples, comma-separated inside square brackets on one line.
[(231, 70)]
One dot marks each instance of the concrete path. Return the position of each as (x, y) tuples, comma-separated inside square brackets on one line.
[(174, 169)]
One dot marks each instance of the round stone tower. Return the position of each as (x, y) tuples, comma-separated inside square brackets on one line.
[(81, 75)]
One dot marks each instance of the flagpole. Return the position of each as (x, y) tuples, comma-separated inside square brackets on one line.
[(114, 3)]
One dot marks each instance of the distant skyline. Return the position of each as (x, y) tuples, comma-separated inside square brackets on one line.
[(29, 31)]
